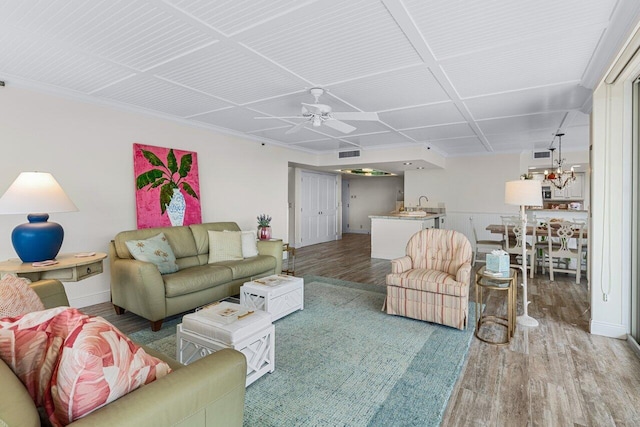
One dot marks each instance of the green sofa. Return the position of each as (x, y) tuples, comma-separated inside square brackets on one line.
[(208, 392), (139, 287)]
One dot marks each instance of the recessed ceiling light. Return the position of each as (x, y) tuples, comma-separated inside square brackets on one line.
[(407, 163), (420, 167)]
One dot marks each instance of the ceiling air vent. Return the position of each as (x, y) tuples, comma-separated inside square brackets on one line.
[(343, 154), (541, 154)]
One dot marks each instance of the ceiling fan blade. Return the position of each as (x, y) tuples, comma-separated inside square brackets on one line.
[(339, 126), (296, 128), (281, 117), (355, 115)]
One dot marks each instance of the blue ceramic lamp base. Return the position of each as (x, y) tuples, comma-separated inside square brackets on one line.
[(37, 240)]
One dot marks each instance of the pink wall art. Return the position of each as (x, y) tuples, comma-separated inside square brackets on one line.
[(167, 186)]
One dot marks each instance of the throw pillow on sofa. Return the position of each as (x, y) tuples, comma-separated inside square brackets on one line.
[(17, 297), (72, 363), (224, 246), (249, 244), (156, 250)]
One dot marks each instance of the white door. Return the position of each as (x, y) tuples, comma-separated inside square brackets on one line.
[(319, 211)]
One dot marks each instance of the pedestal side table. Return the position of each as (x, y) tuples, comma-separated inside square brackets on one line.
[(504, 283)]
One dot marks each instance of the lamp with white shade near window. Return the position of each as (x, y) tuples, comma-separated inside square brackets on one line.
[(33, 193), (524, 192)]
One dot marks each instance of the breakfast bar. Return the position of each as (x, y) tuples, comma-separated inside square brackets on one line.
[(390, 233)]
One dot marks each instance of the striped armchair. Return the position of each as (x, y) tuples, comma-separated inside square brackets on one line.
[(432, 281)]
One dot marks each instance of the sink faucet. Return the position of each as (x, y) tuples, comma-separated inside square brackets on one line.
[(420, 200)]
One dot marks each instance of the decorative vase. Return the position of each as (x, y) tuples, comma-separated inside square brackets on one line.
[(176, 208), (264, 233)]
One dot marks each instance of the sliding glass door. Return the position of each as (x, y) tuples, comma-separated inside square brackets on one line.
[(635, 217)]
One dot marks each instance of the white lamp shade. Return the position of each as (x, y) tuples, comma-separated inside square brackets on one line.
[(523, 192), (35, 192)]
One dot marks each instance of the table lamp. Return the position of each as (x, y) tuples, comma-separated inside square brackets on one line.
[(32, 193), (524, 192)]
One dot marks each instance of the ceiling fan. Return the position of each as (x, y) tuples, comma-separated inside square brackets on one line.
[(320, 114)]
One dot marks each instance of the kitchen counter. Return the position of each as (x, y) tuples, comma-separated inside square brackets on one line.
[(391, 232)]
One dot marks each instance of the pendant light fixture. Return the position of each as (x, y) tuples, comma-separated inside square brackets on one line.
[(559, 178)]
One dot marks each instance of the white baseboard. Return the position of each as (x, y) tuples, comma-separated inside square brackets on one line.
[(634, 345), (610, 330), (362, 231), (87, 300)]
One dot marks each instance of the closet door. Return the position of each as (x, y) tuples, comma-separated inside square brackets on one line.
[(319, 208)]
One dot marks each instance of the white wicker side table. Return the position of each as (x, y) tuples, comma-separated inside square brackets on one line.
[(279, 295), (201, 334)]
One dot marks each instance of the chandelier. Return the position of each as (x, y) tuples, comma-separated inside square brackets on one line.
[(559, 178)]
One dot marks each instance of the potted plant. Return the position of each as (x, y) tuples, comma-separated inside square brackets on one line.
[(264, 228), (164, 176)]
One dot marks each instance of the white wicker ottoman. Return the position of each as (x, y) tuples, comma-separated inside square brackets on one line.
[(202, 333), (278, 294)]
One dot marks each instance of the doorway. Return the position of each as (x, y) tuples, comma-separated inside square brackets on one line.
[(319, 208)]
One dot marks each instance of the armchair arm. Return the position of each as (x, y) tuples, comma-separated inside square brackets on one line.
[(400, 265), (137, 286), (51, 292), (274, 249), (208, 392), (463, 275)]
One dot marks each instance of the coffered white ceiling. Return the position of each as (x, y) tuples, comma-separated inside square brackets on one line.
[(463, 77)]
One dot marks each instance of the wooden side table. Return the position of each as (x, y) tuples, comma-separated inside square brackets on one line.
[(70, 268), (505, 283)]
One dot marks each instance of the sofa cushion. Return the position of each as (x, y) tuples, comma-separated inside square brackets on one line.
[(200, 234), (17, 297), (250, 266), (195, 279), (16, 406), (249, 244), (155, 250), (428, 280), (224, 245), (73, 363), (180, 239)]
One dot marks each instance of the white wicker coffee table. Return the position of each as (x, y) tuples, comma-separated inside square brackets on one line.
[(206, 331), (279, 295)]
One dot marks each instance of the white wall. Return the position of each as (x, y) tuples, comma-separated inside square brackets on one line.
[(371, 196), (88, 149), (611, 202)]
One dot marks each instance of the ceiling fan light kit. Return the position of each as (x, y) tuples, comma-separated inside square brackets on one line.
[(318, 114)]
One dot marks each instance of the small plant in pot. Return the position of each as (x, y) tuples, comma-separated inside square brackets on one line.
[(264, 227)]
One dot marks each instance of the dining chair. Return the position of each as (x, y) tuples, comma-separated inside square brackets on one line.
[(585, 244), (515, 237), (566, 232), (542, 241), (483, 246)]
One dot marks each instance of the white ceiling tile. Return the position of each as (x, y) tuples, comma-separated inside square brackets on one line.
[(239, 119), (411, 86), (439, 132), (536, 100), (455, 145), (217, 69), (521, 123), (545, 61), (161, 96), (279, 134), (333, 40), (233, 16), (427, 115), (136, 33), (453, 28), (325, 145), (45, 61), (375, 139)]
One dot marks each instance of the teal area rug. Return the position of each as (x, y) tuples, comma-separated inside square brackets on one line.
[(343, 362)]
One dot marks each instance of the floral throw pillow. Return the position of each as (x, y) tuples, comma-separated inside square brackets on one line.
[(73, 363), (17, 297), (156, 250)]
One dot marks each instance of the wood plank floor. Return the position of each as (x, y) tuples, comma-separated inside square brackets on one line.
[(554, 375)]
